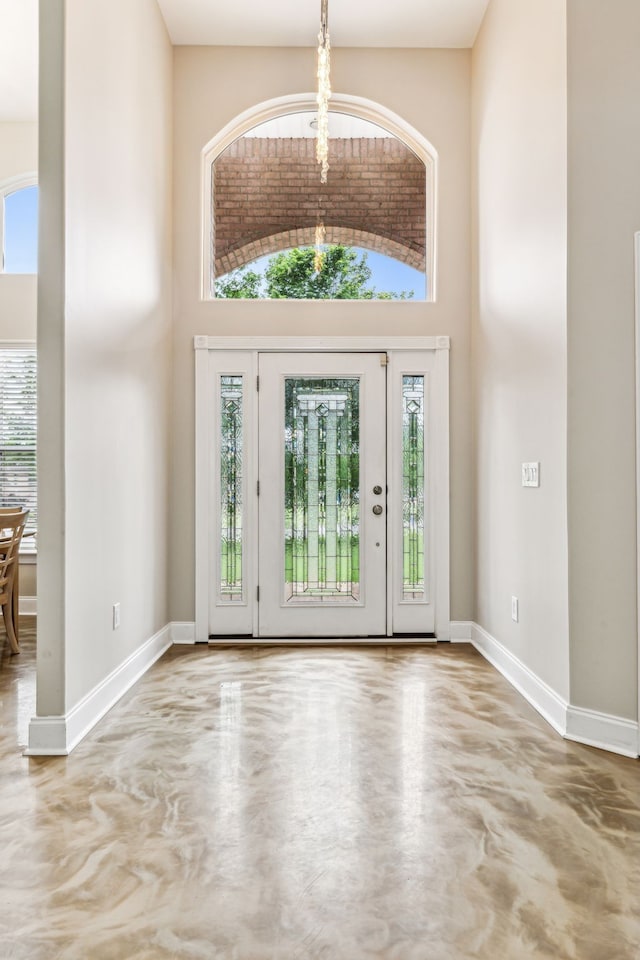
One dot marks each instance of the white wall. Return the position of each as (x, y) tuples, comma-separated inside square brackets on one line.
[(519, 331), (18, 149), (604, 212), (18, 156), (430, 90), (107, 408)]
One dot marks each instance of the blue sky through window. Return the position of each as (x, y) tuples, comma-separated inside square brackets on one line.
[(393, 275), (21, 231)]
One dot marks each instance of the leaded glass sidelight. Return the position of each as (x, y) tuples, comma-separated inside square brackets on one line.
[(231, 543), (413, 488), (322, 489)]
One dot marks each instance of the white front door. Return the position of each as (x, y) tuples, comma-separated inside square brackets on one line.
[(322, 503), (322, 489)]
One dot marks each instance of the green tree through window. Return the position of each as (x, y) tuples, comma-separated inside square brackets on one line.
[(292, 276)]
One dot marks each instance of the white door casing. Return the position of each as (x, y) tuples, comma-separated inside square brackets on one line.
[(222, 363)]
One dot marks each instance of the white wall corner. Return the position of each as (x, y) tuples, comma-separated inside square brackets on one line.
[(542, 697), (183, 632), (58, 735), (604, 731), (461, 631), (594, 729)]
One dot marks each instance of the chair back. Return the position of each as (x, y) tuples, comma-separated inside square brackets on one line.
[(12, 524)]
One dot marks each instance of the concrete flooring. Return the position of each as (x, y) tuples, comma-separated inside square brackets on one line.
[(349, 803)]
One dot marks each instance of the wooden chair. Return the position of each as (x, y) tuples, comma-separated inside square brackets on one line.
[(12, 524)]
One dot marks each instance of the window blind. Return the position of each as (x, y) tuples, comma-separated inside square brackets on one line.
[(18, 430)]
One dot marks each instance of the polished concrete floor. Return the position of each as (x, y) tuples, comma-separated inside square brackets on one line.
[(315, 804)]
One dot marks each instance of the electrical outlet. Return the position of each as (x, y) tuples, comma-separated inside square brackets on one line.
[(116, 616), (514, 609)]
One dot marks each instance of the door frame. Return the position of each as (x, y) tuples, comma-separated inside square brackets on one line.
[(396, 349)]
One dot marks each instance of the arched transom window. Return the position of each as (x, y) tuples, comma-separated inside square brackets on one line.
[(265, 197)]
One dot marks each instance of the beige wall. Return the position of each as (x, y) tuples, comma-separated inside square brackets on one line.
[(427, 88), (109, 392), (18, 310), (604, 212), (18, 149), (519, 330), (28, 580)]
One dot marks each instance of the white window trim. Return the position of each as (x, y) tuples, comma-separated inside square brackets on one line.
[(28, 547), (7, 187), (340, 103)]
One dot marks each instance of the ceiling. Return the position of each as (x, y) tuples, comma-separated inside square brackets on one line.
[(352, 23)]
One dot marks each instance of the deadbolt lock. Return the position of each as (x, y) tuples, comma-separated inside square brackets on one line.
[(377, 490)]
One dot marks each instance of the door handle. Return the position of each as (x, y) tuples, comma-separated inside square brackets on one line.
[(377, 509)]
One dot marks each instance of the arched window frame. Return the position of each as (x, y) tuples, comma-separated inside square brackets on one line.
[(340, 103), (8, 188)]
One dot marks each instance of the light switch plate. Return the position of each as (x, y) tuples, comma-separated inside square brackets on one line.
[(531, 474)]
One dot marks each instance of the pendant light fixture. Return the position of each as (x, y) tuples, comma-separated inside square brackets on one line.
[(324, 90)]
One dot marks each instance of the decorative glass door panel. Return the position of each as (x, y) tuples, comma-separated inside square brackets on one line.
[(322, 528), (413, 487), (322, 489), (231, 499), (411, 503), (227, 412)]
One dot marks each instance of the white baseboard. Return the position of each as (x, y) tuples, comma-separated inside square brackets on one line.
[(183, 632), (590, 727), (602, 730), (28, 607), (58, 735), (541, 696)]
